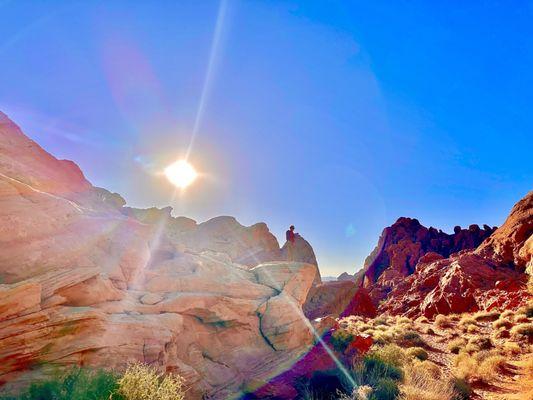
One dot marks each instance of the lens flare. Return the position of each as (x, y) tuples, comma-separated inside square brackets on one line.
[(181, 174)]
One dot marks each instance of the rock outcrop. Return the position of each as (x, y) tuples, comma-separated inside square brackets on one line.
[(87, 281), (401, 246), (493, 276), (512, 243)]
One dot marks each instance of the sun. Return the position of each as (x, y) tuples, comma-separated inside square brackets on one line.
[(181, 174)]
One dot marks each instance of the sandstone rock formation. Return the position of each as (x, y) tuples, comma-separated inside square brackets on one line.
[(87, 281), (402, 245), (493, 276), (400, 248), (512, 243)]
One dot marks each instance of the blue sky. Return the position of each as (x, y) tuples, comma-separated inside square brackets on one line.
[(337, 117)]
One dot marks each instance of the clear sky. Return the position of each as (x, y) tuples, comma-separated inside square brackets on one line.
[(337, 117)]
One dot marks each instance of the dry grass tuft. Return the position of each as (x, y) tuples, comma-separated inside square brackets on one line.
[(507, 314), (502, 323), (428, 331), (417, 352), (421, 384), (522, 331), (392, 354), (466, 320), (512, 348), (486, 315), (456, 345), (443, 321), (481, 366), (483, 342), (142, 382)]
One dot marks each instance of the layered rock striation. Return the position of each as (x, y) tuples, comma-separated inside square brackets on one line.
[(88, 281)]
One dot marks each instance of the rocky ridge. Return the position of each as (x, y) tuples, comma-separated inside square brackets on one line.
[(88, 281)]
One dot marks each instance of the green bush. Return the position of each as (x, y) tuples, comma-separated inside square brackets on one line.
[(340, 339), (373, 368), (77, 384), (386, 389)]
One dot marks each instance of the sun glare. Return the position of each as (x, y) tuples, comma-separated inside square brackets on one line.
[(181, 174)]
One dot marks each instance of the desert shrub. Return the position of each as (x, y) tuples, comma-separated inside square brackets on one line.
[(422, 382), (523, 387), (465, 366), (461, 388), (472, 329), (486, 315), (489, 366), (76, 384), (529, 311), (520, 318), (404, 320), (429, 331), (382, 338), (471, 348), (373, 369), (380, 321), (443, 321), (418, 352), (512, 347), (466, 320), (142, 382), (502, 323), (481, 366), (411, 338), (482, 342), (522, 330), (340, 339), (456, 345), (392, 354), (385, 389)]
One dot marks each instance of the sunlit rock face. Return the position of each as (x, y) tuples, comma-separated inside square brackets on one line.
[(87, 281)]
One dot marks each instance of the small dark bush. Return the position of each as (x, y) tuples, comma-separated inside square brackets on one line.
[(462, 389), (411, 339), (324, 386)]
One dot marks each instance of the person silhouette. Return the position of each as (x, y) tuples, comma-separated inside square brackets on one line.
[(290, 236)]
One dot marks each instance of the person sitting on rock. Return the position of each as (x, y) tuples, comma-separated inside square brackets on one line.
[(290, 236)]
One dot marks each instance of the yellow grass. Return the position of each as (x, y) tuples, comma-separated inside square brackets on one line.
[(142, 382), (421, 383), (443, 321)]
